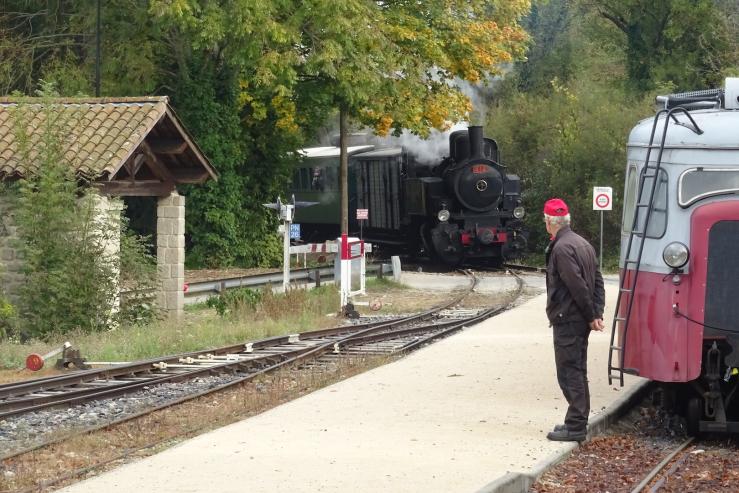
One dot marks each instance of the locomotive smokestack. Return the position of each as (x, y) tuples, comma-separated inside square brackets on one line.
[(476, 142)]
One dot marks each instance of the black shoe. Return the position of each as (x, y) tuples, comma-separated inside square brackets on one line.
[(567, 435), (560, 427)]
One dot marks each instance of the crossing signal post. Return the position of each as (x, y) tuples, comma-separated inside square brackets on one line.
[(287, 213), (602, 201)]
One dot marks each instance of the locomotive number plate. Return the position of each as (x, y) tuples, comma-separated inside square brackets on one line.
[(480, 168)]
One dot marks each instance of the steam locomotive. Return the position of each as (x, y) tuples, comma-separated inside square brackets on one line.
[(461, 208)]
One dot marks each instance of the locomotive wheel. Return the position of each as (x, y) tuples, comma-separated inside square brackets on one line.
[(693, 415)]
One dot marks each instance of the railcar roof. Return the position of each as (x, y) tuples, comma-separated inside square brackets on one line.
[(383, 152), (719, 131), (318, 152)]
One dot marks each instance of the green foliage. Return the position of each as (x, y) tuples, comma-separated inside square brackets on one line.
[(7, 317), (562, 144), (226, 222), (138, 276), (250, 304), (688, 43), (563, 117), (54, 40), (235, 300)]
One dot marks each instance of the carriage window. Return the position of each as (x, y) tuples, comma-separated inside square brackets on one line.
[(658, 217), (699, 183), (332, 178), (301, 179), (318, 179)]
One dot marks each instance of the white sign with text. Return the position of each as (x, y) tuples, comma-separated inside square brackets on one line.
[(602, 198)]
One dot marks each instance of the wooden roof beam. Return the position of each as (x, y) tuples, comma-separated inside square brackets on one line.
[(155, 165), (160, 145), (191, 175), (148, 188)]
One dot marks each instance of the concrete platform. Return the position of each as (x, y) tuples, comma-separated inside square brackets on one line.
[(452, 417)]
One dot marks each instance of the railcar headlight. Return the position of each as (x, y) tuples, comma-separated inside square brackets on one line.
[(443, 215), (519, 212), (676, 255)]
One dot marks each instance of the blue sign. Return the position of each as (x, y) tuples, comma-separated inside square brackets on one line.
[(295, 231)]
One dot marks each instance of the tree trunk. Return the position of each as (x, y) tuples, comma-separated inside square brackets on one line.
[(344, 171)]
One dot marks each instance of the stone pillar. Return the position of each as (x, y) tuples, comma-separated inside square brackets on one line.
[(107, 213), (11, 263), (171, 254)]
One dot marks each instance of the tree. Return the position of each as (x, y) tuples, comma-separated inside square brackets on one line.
[(550, 53), (392, 64), (684, 42), (253, 79), (54, 40)]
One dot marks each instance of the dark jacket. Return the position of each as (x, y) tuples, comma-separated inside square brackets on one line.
[(574, 284)]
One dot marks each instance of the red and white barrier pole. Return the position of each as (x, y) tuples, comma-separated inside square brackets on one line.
[(35, 361), (346, 271)]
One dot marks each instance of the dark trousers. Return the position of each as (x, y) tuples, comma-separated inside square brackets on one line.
[(571, 358)]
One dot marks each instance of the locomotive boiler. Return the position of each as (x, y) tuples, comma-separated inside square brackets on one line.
[(464, 207)]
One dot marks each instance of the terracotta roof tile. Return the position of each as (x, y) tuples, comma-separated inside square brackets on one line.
[(97, 135)]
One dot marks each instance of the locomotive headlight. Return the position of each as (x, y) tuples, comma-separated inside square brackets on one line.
[(676, 255), (519, 212), (443, 215)]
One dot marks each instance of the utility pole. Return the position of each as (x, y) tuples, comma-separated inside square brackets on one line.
[(344, 171), (97, 52)]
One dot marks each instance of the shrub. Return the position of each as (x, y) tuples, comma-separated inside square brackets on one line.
[(235, 301)]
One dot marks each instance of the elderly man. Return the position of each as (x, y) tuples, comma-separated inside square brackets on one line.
[(575, 301)]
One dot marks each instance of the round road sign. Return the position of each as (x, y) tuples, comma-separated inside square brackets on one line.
[(602, 198)]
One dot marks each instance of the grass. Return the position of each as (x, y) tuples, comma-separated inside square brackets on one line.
[(200, 328), (610, 261), (381, 283)]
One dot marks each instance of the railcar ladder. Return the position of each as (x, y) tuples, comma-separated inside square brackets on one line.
[(631, 262)]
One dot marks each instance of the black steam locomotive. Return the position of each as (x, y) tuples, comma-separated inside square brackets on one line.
[(465, 207)]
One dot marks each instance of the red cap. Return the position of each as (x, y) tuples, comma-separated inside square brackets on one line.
[(556, 207)]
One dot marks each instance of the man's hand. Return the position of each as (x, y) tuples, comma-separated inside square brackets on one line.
[(597, 324)]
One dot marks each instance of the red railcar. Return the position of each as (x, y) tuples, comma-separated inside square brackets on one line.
[(677, 319)]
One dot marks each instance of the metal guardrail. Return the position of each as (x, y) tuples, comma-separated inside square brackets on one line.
[(200, 291)]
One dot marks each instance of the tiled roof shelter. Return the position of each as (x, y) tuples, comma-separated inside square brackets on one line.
[(128, 146)]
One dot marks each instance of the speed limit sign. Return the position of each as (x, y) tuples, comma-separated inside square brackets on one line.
[(602, 198)]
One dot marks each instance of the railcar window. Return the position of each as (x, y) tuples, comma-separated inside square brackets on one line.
[(699, 183), (629, 200), (658, 218)]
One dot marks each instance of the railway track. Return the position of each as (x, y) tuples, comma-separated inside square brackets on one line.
[(240, 362), (660, 474)]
